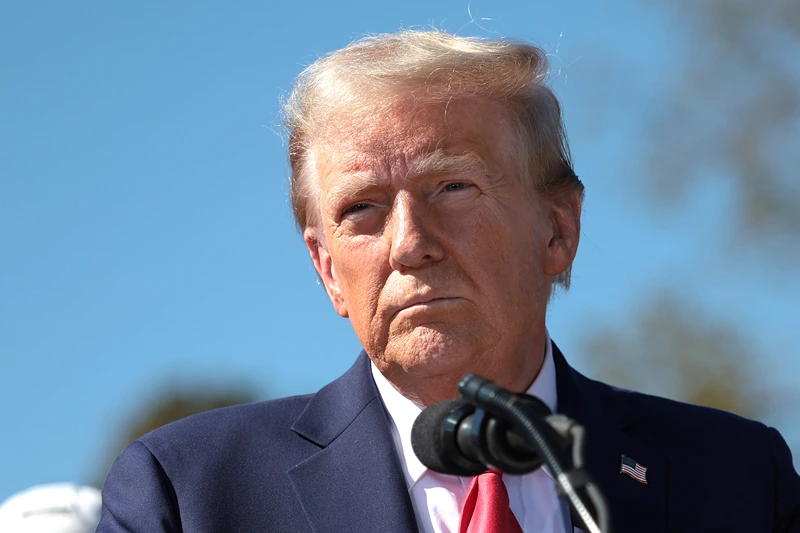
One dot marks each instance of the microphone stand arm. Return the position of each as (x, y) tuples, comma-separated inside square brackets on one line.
[(540, 434)]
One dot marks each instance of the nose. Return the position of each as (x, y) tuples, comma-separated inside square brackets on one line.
[(413, 244)]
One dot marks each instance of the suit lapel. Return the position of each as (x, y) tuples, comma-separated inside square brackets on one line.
[(610, 426), (355, 482)]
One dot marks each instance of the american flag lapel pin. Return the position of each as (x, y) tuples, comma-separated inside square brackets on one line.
[(633, 469)]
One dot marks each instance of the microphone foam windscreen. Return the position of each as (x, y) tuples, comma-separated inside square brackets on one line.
[(426, 436)]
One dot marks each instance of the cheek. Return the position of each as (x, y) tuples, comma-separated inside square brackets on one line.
[(487, 237), (361, 268), (504, 254)]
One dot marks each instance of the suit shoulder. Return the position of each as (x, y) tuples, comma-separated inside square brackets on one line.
[(196, 467), (674, 420), (711, 441), (268, 419)]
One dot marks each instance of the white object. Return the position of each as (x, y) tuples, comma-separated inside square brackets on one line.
[(55, 508)]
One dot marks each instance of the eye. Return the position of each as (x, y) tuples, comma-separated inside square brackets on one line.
[(458, 186), (355, 208)]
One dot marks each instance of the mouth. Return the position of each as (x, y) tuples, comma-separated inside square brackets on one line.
[(423, 302)]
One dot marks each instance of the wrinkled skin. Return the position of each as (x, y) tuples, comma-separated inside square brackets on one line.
[(442, 268)]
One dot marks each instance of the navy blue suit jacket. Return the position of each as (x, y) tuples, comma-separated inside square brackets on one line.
[(327, 463)]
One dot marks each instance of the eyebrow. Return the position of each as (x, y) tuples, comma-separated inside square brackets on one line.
[(440, 162), (435, 162), (356, 184)]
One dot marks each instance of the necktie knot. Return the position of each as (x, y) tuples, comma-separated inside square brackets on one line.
[(486, 507)]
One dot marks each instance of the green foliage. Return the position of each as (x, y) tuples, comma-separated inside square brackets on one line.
[(732, 110), (728, 110)]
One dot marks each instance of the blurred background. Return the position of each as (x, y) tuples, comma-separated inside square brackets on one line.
[(149, 266)]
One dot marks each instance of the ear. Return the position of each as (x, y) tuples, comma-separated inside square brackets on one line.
[(324, 266), (565, 220)]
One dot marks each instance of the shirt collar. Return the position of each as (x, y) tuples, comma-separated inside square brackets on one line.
[(403, 411)]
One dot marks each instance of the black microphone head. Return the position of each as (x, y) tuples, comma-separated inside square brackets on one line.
[(435, 446)]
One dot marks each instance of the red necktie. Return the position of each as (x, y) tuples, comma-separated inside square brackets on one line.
[(486, 508)]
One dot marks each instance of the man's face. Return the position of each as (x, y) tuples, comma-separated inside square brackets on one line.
[(430, 242)]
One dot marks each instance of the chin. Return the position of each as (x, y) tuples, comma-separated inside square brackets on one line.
[(433, 350)]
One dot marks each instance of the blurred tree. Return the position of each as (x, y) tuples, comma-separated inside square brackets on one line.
[(728, 110), (171, 404), (732, 110), (674, 350)]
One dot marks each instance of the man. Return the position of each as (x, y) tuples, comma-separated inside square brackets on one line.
[(432, 181)]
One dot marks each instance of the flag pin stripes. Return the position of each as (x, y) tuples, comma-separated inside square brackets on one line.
[(633, 469)]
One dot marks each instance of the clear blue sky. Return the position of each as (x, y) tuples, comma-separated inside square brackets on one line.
[(145, 231)]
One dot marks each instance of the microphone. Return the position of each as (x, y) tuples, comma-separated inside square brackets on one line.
[(492, 426), (453, 437)]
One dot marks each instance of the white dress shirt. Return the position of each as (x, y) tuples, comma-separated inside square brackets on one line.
[(438, 498)]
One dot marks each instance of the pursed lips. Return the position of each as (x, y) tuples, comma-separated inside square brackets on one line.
[(421, 300)]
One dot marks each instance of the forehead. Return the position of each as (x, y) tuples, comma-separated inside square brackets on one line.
[(393, 140)]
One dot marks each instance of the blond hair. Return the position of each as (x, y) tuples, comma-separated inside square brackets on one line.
[(367, 76)]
